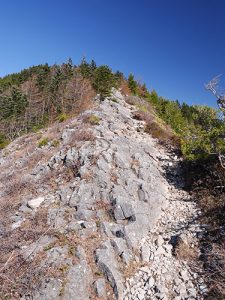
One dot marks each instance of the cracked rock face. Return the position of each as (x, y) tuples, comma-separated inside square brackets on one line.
[(107, 212)]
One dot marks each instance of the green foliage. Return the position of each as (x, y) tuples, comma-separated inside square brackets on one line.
[(62, 117), (43, 142), (142, 108), (132, 84), (3, 141), (13, 104), (38, 124), (102, 77), (119, 77), (114, 100), (17, 79), (55, 143), (199, 127), (103, 81), (42, 76), (87, 70), (93, 120)]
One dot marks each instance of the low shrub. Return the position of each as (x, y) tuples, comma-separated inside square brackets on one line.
[(91, 119), (3, 141), (62, 117), (43, 142), (114, 100), (55, 143)]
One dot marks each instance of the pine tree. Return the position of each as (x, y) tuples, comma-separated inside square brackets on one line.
[(132, 84), (13, 105), (103, 81)]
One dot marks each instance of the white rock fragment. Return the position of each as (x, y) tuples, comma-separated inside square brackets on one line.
[(17, 224), (35, 203)]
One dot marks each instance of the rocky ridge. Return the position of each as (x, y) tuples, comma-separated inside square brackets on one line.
[(118, 219)]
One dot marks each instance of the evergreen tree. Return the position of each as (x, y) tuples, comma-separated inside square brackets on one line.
[(93, 66), (14, 104), (85, 69), (103, 81), (132, 84)]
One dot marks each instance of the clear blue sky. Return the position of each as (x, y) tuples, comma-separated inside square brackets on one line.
[(175, 46)]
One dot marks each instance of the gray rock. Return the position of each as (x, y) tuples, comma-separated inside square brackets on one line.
[(141, 294), (67, 135), (119, 245), (145, 252), (40, 170), (109, 266), (71, 157), (121, 249), (123, 210), (184, 275), (160, 251), (78, 281), (160, 241), (100, 287), (151, 282), (49, 291), (17, 224)]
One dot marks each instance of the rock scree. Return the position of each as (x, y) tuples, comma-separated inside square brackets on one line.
[(125, 210)]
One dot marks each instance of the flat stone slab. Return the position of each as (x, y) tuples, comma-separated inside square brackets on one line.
[(35, 203)]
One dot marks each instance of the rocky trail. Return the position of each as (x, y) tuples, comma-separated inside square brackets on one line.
[(124, 227)]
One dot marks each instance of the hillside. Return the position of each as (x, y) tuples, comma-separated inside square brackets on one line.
[(105, 194), (95, 210)]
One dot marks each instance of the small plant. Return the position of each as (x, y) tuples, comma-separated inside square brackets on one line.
[(98, 273), (62, 117), (62, 290), (72, 250), (92, 119), (48, 247), (37, 127), (3, 141), (43, 142), (64, 268), (184, 251), (142, 108), (114, 100), (55, 143)]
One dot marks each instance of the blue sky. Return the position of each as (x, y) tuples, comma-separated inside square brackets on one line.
[(175, 46)]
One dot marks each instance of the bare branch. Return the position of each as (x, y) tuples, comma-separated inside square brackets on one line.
[(212, 86), (222, 160)]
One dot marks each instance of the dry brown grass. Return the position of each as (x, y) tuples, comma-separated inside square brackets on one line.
[(153, 125), (82, 134), (114, 177), (206, 180), (184, 251), (91, 119), (157, 129), (124, 88), (216, 275), (17, 273), (129, 270), (88, 176)]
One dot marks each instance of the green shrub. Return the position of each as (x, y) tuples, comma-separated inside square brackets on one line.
[(114, 100), (55, 143), (43, 142), (93, 120), (62, 117), (142, 108), (3, 141), (103, 81), (132, 84)]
